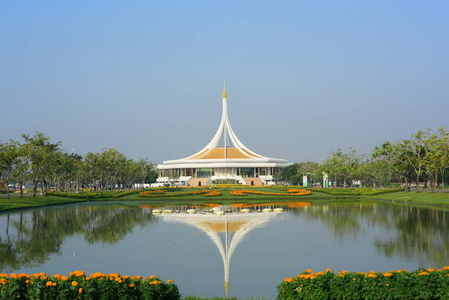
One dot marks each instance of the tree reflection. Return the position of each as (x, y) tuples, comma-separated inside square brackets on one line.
[(29, 239), (419, 234)]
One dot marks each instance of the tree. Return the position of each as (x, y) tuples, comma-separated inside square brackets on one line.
[(309, 169), (437, 156), (289, 171), (42, 155), (8, 157), (22, 167), (415, 151)]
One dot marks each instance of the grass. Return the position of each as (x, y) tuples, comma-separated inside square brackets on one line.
[(416, 198), (221, 298), (30, 202), (422, 198)]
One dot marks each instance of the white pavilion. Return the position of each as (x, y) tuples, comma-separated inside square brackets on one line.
[(224, 158)]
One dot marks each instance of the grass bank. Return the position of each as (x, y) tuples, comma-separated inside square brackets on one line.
[(30, 202), (270, 194), (426, 198)]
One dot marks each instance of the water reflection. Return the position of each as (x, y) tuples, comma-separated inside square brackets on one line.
[(226, 226), (29, 238), (389, 233), (419, 234)]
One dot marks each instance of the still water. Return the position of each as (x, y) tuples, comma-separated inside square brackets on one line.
[(221, 248)]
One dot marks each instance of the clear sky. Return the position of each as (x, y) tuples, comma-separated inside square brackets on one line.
[(146, 77)]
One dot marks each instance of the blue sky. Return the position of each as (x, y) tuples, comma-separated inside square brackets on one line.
[(145, 77)]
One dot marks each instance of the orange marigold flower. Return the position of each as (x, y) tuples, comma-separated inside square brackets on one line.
[(309, 271), (446, 268), (288, 279), (80, 290), (65, 278), (372, 275), (49, 283), (152, 276), (430, 270), (328, 270), (74, 283), (423, 273), (169, 280), (387, 274), (131, 285)]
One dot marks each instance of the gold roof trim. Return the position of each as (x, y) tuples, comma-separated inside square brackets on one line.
[(224, 90), (218, 153)]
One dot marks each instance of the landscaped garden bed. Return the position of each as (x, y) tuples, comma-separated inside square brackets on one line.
[(400, 284), (77, 285)]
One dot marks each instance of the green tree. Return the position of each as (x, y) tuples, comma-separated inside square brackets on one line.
[(415, 151), (437, 156), (289, 171), (8, 157), (42, 155)]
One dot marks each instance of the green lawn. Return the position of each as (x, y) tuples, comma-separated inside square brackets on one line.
[(29, 202), (426, 198), (416, 198)]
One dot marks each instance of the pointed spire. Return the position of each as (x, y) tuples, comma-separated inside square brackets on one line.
[(224, 90)]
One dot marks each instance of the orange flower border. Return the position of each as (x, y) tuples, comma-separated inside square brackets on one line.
[(420, 284), (290, 192), (80, 286), (161, 193)]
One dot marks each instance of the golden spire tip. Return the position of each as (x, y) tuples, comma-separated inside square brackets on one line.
[(224, 90)]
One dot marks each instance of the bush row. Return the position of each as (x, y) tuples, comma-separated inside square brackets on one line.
[(94, 195), (354, 192), (77, 285), (400, 284)]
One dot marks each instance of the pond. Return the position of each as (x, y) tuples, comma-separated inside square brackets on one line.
[(245, 250)]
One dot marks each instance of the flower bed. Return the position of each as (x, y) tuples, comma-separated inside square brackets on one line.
[(290, 192), (400, 284), (161, 193), (79, 286)]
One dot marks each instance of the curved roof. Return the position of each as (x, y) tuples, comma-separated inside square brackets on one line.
[(225, 147)]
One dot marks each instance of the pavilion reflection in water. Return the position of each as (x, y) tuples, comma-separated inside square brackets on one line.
[(224, 228)]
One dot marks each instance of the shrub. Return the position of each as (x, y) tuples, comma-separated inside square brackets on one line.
[(95, 194), (79, 286), (420, 284), (354, 192)]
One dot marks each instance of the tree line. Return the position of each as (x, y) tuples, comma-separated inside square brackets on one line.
[(421, 159), (38, 161)]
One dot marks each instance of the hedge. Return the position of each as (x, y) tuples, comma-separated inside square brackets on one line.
[(77, 285), (400, 284)]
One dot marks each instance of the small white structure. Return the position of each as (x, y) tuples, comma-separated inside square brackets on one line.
[(224, 158)]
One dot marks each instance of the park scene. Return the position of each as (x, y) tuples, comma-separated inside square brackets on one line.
[(121, 176)]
